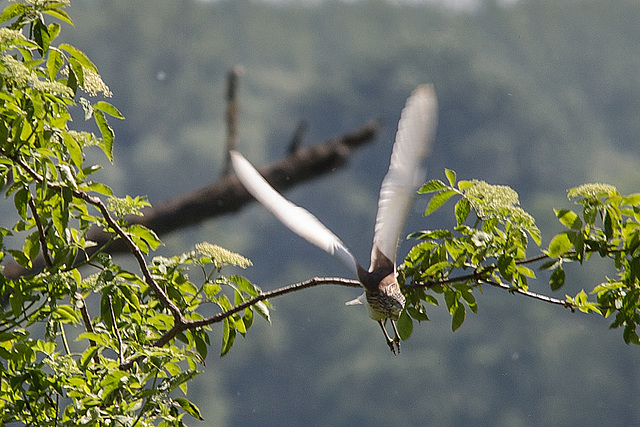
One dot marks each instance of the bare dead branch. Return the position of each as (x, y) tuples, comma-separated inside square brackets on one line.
[(226, 195), (233, 76), (298, 136)]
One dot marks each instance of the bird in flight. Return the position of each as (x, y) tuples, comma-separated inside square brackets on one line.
[(382, 295)]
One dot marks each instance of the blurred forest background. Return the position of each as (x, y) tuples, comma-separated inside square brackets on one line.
[(540, 95)]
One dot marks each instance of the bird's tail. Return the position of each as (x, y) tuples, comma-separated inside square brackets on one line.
[(360, 300)]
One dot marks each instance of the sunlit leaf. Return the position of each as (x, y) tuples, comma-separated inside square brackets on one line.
[(559, 245), (437, 200), (431, 186), (79, 56), (107, 134), (569, 219), (108, 109), (189, 407), (451, 176), (20, 201), (262, 309), (58, 13), (462, 210), (12, 11)]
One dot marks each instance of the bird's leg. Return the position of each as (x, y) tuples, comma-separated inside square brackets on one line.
[(396, 339), (390, 342)]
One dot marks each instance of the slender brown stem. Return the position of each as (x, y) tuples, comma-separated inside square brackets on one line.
[(87, 320), (135, 251), (117, 331), (316, 281), (41, 234), (530, 294)]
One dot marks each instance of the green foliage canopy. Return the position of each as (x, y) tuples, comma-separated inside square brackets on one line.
[(144, 344)]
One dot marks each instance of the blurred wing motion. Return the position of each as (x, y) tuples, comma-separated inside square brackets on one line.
[(297, 219), (416, 131)]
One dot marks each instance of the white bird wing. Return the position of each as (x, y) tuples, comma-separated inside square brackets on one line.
[(416, 131), (297, 219)]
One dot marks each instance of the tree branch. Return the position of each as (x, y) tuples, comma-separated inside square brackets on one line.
[(216, 318), (480, 276), (131, 246), (232, 114), (226, 194), (41, 235), (534, 295)]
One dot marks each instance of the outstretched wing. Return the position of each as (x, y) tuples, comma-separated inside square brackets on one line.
[(416, 131), (297, 219)]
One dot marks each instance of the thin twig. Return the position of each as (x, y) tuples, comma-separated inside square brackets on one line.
[(41, 235), (480, 276), (232, 114), (135, 251), (298, 137), (87, 323), (65, 343), (316, 281), (530, 294), (115, 328)]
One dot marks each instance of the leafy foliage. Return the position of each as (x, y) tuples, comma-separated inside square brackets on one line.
[(144, 346), (489, 244)]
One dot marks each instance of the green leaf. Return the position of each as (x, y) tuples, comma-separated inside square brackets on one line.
[(438, 200), (54, 30), (263, 310), (228, 336), (451, 176), (629, 334), (143, 237), (464, 184), (458, 317), (559, 245), (107, 134), (21, 200), (211, 290), (405, 325), (557, 278), (73, 80), (431, 186), (79, 56), (41, 36), (108, 109), (74, 149), (589, 213), (189, 408), (66, 176), (534, 232), (65, 313), (569, 219), (98, 187), (12, 11), (418, 313), (31, 247), (470, 300), (507, 266), (88, 355), (462, 210), (58, 13)]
